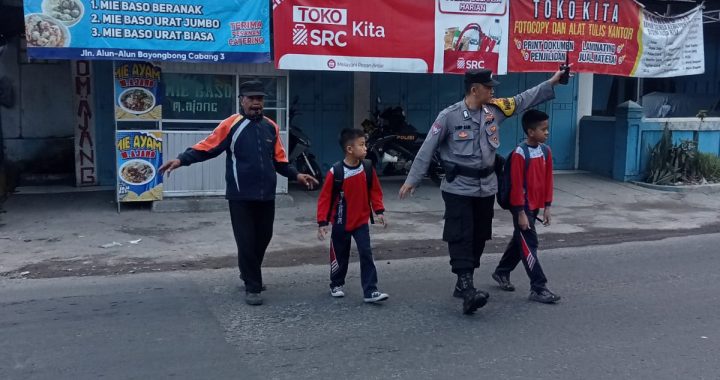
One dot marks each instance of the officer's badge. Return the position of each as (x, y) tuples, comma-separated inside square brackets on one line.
[(466, 114), (506, 105), (463, 135)]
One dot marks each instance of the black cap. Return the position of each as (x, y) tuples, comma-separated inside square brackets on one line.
[(482, 76), (252, 88)]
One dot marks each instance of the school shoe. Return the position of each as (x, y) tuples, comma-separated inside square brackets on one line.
[(504, 282), (337, 291), (472, 298), (376, 296), (543, 296), (253, 299)]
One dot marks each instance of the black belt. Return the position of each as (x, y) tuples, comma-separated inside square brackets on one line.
[(474, 173), (452, 170)]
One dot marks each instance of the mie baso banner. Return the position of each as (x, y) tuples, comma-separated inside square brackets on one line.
[(438, 36), (137, 94), (139, 156), (152, 30), (615, 38)]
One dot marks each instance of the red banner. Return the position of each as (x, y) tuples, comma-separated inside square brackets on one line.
[(354, 36), (598, 37), (391, 35)]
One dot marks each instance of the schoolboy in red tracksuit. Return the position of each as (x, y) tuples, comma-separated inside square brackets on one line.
[(349, 213), (531, 189)]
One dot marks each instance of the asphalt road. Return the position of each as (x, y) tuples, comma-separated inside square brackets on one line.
[(643, 310)]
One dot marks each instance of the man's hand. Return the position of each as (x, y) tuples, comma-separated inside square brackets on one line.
[(547, 218), (322, 231), (406, 189), (523, 220), (169, 167), (381, 220), (307, 180)]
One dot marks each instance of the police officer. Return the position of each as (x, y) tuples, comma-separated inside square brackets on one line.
[(466, 135), (254, 153)]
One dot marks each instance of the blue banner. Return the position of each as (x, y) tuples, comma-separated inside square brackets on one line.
[(149, 30), (139, 156)]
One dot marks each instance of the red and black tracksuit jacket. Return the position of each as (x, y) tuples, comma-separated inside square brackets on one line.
[(355, 198), (539, 181), (254, 154)]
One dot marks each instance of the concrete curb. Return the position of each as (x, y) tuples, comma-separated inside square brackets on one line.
[(707, 189), (208, 204)]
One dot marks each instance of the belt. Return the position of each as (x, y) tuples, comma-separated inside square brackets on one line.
[(474, 173)]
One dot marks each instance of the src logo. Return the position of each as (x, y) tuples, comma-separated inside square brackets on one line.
[(461, 63)]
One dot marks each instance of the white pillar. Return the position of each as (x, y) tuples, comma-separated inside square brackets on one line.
[(361, 97), (584, 107)]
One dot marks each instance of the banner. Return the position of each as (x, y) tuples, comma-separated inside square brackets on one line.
[(391, 35), (137, 91), (139, 155), (616, 38), (153, 30)]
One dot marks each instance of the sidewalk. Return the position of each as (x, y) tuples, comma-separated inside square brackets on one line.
[(61, 234)]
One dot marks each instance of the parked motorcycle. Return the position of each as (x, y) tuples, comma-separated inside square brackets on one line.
[(393, 143), (299, 144)]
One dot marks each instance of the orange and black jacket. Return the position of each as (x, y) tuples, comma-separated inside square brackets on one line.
[(254, 153)]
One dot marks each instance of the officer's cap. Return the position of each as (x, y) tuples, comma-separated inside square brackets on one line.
[(482, 76), (252, 88)]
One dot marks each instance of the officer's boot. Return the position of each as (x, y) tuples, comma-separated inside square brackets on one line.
[(472, 299), (458, 293)]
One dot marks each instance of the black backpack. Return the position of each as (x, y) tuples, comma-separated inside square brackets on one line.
[(504, 184), (339, 177)]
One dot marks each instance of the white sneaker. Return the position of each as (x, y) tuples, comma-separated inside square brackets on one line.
[(376, 297), (337, 292)]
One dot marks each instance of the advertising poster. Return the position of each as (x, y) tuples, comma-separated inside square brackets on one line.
[(152, 30), (434, 36), (139, 155), (137, 95), (616, 38)]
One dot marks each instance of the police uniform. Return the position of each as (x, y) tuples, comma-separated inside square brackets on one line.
[(466, 141)]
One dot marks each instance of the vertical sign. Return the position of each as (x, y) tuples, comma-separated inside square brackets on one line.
[(85, 165), (139, 155)]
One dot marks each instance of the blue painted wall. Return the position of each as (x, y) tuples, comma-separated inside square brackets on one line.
[(325, 107)]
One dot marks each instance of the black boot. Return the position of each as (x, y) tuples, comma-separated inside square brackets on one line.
[(458, 293), (472, 299)]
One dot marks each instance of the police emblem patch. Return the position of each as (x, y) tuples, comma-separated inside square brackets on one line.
[(435, 129)]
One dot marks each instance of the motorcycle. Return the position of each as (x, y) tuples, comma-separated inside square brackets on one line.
[(299, 144), (393, 143)]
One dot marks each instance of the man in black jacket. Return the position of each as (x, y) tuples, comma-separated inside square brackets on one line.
[(254, 154)]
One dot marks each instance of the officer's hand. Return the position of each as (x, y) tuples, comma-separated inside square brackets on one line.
[(555, 79), (322, 231), (381, 220), (523, 221), (169, 166), (307, 180), (406, 189), (546, 216)]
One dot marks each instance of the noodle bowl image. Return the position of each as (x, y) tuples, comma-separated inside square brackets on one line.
[(136, 100), (44, 31), (137, 172)]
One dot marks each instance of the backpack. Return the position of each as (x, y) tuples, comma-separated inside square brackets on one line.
[(339, 177), (504, 183)]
